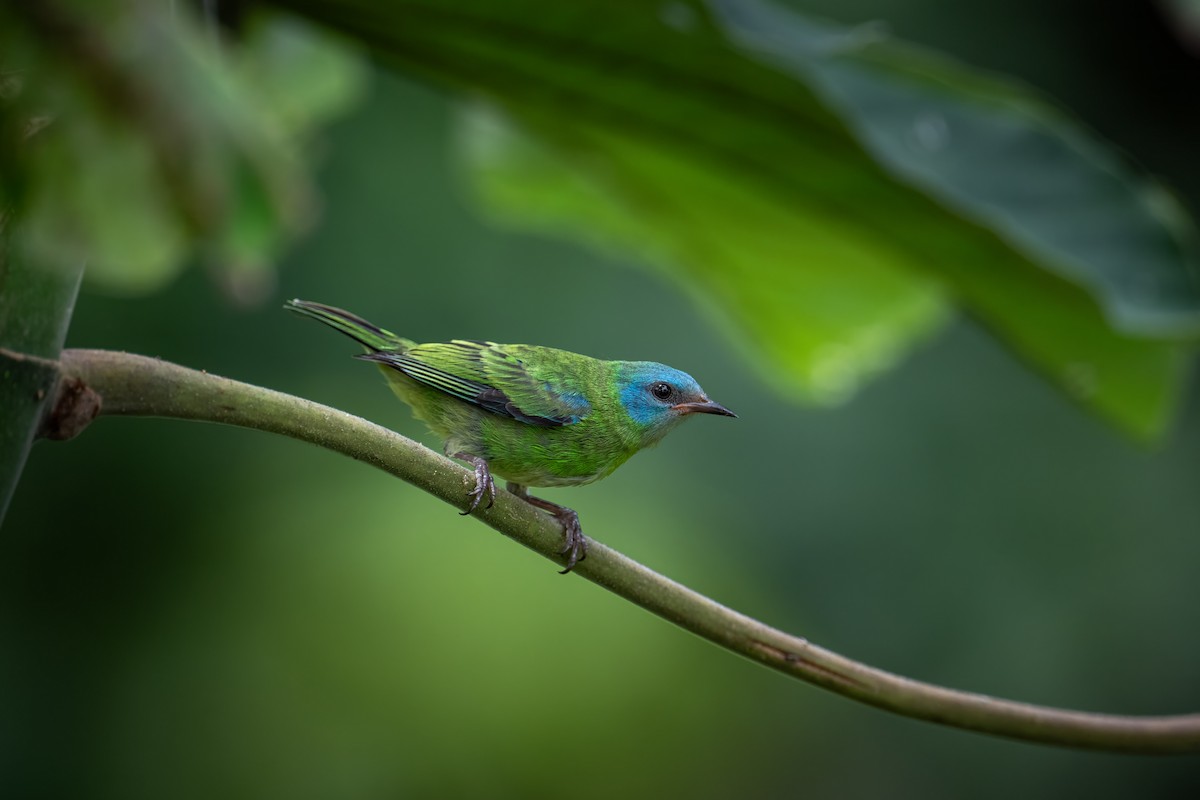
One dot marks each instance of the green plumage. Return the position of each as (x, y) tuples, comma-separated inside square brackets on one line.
[(536, 416)]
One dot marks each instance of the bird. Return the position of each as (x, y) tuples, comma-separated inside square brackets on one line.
[(535, 416)]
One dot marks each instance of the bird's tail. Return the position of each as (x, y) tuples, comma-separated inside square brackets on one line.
[(369, 336)]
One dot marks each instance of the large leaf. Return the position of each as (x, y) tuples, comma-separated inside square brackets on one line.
[(997, 153), (663, 117), (846, 314)]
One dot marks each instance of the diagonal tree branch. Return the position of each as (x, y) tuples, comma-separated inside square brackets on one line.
[(135, 385)]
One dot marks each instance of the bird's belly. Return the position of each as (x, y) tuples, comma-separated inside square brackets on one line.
[(535, 477), (549, 456), (550, 471)]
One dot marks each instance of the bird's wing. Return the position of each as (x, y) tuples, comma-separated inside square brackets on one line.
[(502, 379)]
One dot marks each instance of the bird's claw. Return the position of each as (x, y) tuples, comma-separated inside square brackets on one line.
[(574, 542), (484, 483)]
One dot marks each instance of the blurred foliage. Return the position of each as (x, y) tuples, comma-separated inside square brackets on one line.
[(197, 612), (131, 140)]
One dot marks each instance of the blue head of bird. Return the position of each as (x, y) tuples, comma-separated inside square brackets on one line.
[(657, 398)]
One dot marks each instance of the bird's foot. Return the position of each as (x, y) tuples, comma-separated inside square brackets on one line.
[(484, 483), (574, 542)]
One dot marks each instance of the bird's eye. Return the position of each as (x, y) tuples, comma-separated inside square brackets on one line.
[(661, 390)]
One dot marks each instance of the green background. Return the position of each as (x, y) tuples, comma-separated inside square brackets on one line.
[(190, 611)]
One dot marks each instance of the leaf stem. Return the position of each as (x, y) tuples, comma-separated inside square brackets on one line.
[(135, 385)]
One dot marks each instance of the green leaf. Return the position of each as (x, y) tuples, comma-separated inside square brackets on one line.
[(828, 325), (998, 154), (843, 317)]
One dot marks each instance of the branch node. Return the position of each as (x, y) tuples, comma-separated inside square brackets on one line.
[(75, 405), (796, 662)]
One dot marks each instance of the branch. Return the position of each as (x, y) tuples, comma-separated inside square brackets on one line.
[(139, 386)]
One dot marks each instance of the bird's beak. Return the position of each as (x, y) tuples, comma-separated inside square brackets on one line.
[(704, 407)]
